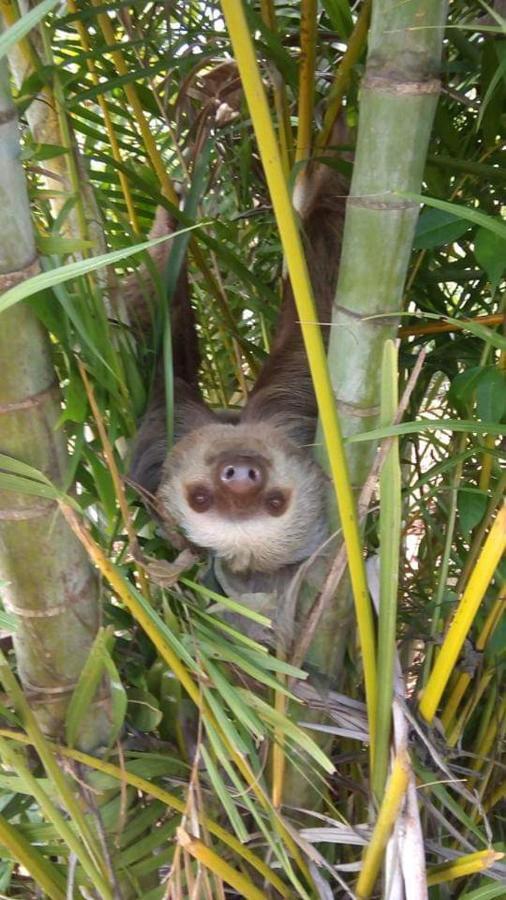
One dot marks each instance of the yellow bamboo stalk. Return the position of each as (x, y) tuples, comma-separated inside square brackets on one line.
[(394, 795), (115, 149), (469, 708), (123, 776), (299, 277), (308, 23), (133, 99), (216, 864), (464, 865), (268, 14), (479, 580), (278, 748), (353, 52), (486, 740), (498, 795), (464, 679)]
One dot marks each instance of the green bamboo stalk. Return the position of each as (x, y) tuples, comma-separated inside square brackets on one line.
[(50, 585), (398, 98)]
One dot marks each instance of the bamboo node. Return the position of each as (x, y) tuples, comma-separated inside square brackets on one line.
[(22, 513), (361, 412), (378, 319), (50, 693), (382, 201), (9, 280), (30, 401), (390, 85), (48, 613), (8, 115)]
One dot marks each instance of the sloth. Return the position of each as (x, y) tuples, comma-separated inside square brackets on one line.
[(245, 487)]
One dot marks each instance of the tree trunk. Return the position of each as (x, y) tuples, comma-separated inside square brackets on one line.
[(399, 93), (47, 582)]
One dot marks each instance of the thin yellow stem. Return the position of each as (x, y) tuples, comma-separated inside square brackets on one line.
[(456, 732), (278, 748), (464, 865), (464, 679), (219, 866), (308, 23), (299, 277), (485, 741), (479, 580), (394, 795), (353, 52)]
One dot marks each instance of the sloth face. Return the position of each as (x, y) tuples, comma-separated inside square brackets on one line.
[(247, 493)]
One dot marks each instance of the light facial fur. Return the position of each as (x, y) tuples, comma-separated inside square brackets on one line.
[(276, 523)]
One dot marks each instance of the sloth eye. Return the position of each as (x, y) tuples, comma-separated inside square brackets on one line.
[(200, 498), (276, 503)]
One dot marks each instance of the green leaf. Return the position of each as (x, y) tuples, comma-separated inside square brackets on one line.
[(490, 253), (437, 227), (42, 152), (463, 387), (223, 795), (340, 17), (491, 223), (76, 401), (488, 890), (143, 710), (73, 270), (118, 699), (54, 245), (87, 686), (422, 425), (491, 395), (471, 506), (25, 24), (241, 712), (8, 622)]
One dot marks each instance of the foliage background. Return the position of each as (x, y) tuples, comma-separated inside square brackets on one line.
[(136, 111)]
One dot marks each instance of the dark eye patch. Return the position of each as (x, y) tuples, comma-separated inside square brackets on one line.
[(199, 497), (276, 502)]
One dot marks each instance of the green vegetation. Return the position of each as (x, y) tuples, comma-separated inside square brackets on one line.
[(124, 107)]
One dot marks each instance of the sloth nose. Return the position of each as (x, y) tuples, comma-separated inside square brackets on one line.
[(241, 477)]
